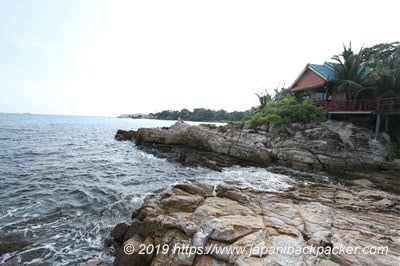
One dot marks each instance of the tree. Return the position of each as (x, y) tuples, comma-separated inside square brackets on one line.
[(380, 54), (353, 75), (384, 60), (184, 114)]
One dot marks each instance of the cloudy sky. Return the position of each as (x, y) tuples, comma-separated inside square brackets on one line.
[(108, 58)]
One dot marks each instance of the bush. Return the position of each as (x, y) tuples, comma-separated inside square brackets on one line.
[(286, 110)]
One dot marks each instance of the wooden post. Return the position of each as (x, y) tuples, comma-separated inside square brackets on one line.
[(326, 93), (377, 126)]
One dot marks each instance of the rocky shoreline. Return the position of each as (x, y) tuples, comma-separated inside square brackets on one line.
[(307, 216), (334, 147), (255, 224)]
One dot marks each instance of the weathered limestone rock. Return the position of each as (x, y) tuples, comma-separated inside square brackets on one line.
[(199, 224)]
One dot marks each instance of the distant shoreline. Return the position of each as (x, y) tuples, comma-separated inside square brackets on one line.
[(197, 115)]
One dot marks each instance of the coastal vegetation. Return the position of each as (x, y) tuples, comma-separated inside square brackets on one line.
[(282, 109)]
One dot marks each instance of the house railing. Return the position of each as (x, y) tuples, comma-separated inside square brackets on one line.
[(376, 105), (388, 104)]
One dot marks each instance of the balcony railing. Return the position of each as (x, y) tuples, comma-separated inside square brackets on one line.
[(376, 105)]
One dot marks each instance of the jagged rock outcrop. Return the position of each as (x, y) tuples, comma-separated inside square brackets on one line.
[(237, 226), (205, 145), (335, 147)]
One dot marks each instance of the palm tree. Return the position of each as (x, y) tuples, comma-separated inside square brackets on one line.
[(351, 72)]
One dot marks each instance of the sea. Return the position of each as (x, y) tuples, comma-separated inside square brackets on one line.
[(66, 182)]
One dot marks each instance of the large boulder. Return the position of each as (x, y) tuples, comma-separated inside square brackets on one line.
[(204, 145)]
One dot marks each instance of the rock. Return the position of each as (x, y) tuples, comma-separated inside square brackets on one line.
[(12, 262), (363, 183), (13, 242), (130, 253), (125, 135), (96, 263), (204, 145), (119, 231), (334, 146), (198, 227)]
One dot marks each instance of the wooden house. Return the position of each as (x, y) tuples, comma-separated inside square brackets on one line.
[(318, 84)]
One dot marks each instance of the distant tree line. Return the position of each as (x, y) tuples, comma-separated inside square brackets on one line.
[(199, 114)]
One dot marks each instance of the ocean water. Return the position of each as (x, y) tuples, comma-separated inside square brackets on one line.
[(65, 183)]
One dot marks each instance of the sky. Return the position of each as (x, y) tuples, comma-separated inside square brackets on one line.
[(107, 58)]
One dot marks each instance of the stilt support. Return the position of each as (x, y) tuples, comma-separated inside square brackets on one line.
[(377, 126)]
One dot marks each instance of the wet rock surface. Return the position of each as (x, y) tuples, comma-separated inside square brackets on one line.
[(307, 216), (125, 135)]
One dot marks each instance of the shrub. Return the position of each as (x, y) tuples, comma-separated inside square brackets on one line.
[(286, 110)]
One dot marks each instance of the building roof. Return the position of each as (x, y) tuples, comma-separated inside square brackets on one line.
[(325, 71), (314, 75)]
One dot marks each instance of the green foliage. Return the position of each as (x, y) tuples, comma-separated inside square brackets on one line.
[(286, 110), (281, 93), (373, 72), (263, 98), (200, 114), (353, 75), (394, 152), (384, 60), (383, 53)]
